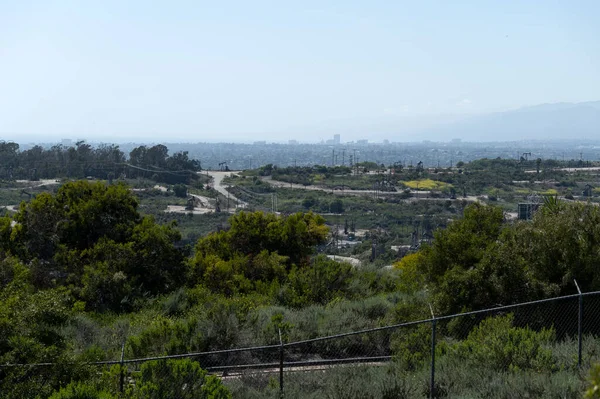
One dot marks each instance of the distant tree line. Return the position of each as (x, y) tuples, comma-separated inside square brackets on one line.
[(105, 161)]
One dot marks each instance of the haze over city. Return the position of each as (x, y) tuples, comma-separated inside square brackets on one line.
[(203, 71)]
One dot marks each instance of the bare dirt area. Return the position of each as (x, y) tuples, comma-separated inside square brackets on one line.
[(37, 183), (348, 259), (156, 187), (571, 170), (183, 209)]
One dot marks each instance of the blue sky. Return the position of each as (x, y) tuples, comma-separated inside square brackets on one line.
[(240, 70)]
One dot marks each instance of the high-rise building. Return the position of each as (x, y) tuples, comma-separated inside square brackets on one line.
[(336, 139)]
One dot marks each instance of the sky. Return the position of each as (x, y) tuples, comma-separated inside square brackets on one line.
[(278, 70)]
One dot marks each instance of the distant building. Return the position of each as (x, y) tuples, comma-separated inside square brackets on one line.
[(362, 142), (66, 142), (260, 142), (526, 210), (386, 142), (293, 142), (336, 139)]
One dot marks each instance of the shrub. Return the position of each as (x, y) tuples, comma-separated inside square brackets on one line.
[(321, 282), (178, 379), (411, 278), (495, 343), (412, 346), (336, 206), (593, 391), (79, 390), (180, 190), (167, 336)]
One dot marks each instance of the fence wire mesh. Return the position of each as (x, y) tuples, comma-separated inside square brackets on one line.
[(537, 349)]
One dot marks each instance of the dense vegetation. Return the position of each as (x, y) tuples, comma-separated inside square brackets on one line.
[(480, 261), (85, 259), (84, 270)]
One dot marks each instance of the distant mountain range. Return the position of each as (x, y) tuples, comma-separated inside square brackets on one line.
[(558, 121), (539, 122)]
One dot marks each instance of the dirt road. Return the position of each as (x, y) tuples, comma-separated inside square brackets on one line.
[(218, 177), (418, 195)]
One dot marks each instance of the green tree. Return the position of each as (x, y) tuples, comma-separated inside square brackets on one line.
[(293, 236), (561, 244), (180, 190), (478, 262), (309, 202), (336, 206), (258, 249), (137, 156), (471, 264), (464, 242), (92, 236), (75, 218)]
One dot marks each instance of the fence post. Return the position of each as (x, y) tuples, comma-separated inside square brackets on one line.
[(432, 380), (579, 324), (281, 395), (122, 373)]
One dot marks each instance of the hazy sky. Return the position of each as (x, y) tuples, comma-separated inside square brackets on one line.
[(249, 70)]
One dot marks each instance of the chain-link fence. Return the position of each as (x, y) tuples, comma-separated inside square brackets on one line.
[(536, 349)]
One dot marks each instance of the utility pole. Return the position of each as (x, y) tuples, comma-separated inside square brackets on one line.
[(332, 156), (343, 157)]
